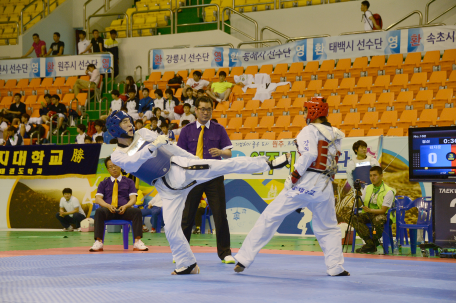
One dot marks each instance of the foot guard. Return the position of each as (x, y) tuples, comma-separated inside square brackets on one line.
[(192, 269), (343, 274), (239, 267), (279, 162)]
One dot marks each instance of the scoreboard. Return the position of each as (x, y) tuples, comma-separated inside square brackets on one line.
[(432, 152)]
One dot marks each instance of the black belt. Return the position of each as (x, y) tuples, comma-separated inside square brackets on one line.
[(315, 171), (194, 167)]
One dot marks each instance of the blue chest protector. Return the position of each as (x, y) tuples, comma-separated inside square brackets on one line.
[(362, 171), (155, 167)]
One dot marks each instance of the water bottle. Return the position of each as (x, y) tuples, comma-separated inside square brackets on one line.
[(396, 249)]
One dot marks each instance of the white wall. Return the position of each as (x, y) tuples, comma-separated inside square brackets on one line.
[(134, 51), (337, 18)]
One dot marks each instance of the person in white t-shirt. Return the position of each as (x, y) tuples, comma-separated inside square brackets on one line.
[(83, 43), (81, 128), (116, 103), (94, 74), (70, 211), (359, 166), (187, 115), (369, 21), (195, 83), (99, 124)]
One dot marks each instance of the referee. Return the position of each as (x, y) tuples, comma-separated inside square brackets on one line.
[(207, 140)]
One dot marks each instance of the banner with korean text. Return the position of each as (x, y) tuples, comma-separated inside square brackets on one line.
[(48, 161), (337, 47), (57, 66)]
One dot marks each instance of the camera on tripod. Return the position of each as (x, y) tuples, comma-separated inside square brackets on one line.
[(357, 184)]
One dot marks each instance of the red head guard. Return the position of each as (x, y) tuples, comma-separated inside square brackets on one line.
[(316, 108)]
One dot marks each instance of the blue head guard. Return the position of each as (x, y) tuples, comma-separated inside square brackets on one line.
[(113, 124)]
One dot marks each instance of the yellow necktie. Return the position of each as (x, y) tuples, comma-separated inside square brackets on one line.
[(199, 148), (115, 192)]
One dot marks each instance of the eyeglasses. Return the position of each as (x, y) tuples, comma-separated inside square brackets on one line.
[(207, 110), (111, 167)]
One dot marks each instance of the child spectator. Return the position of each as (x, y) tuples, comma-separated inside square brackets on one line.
[(154, 127), (88, 140), (83, 43), (81, 128), (99, 124), (189, 99), (99, 140), (139, 124), (131, 85), (26, 125), (45, 107), (154, 208), (200, 93), (57, 47), (195, 83), (159, 100), (70, 211), (116, 103), (169, 105), (178, 131), (17, 108), (60, 110), (133, 104), (167, 132), (13, 138), (157, 114), (187, 115), (146, 105), (220, 91)]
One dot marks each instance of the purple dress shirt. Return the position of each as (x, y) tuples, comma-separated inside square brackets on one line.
[(214, 137), (126, 188)]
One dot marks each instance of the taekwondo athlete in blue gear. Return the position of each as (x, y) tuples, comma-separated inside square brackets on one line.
[(173, 171), (310, 185), (359, 167)]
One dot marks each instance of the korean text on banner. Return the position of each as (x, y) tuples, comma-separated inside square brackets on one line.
[(48, 161), (20, 68)]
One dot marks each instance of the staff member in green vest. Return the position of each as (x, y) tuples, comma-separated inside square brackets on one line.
[(377, 199)]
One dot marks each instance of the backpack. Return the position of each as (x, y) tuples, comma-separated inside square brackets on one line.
[(91, 129), (378, 20), (176, 80)]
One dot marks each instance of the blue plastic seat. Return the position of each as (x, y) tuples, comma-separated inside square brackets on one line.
[(424, 222), (207, 216)]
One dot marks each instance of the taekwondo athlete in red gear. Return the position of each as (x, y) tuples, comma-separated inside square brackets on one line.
[(310, 185), (174, 172)]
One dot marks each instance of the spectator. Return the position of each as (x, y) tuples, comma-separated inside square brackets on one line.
[(57, 47), (159, 100), (131, 85), (116, 196), (88, 140), (139, 124), (3, 127), (154, 209), (96, 43), (358, 167), (166, 131), (38, 45), (133, 104), (45, 108), (220, 91), (187, 115), (60, 110), (80, 129), (13, 138), (70, 212), (17, 108), (94, 74), (146, 105), (116, 103), (189, 99), (113, 141), (376, 198), (83, 43), (199, 216), (195, 83), (216, 145), (154, 127), (112, 46), (26, 128), (99, 124), (178, 131), (169, 104), (157, 114), (99, 140), (200, 93), (369, 21)]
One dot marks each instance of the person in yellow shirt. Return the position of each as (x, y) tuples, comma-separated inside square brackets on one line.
[(220, 91)]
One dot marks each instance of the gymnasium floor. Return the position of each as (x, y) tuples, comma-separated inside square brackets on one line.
[(52, 266)]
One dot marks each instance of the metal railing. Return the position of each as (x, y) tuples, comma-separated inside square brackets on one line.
[(140, 75), (307, 37), (273, 31), (100, 103), (152, 49), (106, 7), (231, 10), (260, 42), (71, 107), (420, 14), (153, 11), (361, 32), (429, 22), (50, 128), (109, 15), (419, 26), (37, 135), (17, 30), (215, 45), (198, 6), (31, 19), (109, 70), (426, 12), (62, 134)]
